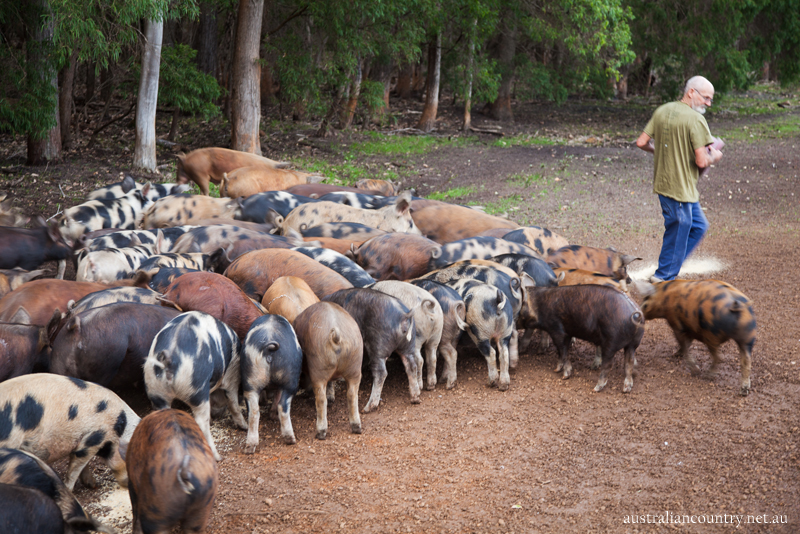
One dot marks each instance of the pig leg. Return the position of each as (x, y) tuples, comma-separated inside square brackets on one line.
[(352, 401), (253, 416), (230, 385), (62, 267), (430, 361), (330, 393), (378, 378), (449, 355), (284, 415), (410, 363), (513, 349), (683, 342), (322, 409), (503, 360), (562, 346), (87, 477), (745, 361), (485, 348), (630, 359), (202, 414), (118, 467), (420, 363), (598, 358), (76, 466), (608, 359)]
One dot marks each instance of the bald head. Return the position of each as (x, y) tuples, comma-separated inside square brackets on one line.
[(699, 83)]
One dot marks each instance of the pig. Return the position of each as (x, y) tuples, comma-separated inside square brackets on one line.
[(445, 223), (36, 300), (120, 189), (23, 348), (358, 200), (288, 296), (542, 240), (264, 228), (165, 238), (317, 190), (28, 248), (165, 276), (495, 232), (124, 213), (256, 207), (173, 474), (11, 216), (191, 357), (386, 326), (29, 510), (393, 218), (342, 246), (381, 187), (428, 323), (475, 248), (11, 279), (24, 469), (208, 165), (343, 230), (207, 239), (239, 248), (106, 266), (56, 416), (113, 295), (396, 256), (536, 268), (256, 271), (215, 295), (246, 181), (707, 310), (339, 263), (177, 210), (605, 261), (190, 260), (271, 357), (454, 313), (333, 348), (108, 345), (597, 314), (575, 277)]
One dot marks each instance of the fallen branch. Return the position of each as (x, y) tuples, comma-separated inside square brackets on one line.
[(11, 170), (92, 138)]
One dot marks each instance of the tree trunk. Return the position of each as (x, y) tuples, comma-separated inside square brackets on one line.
[(245, 97), (427, 121), (90, 82), (381, 72), (404, 82), (500, 109), (323, 130), (144, 153), (352, 101), (207, 39), (46, 147), (65, 102), (468, 88), (173, 129)]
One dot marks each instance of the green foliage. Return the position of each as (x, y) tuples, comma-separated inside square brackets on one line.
[(456, 192), (182, 85), (395, 144), (502, 205), (525, 180), (523, 140)]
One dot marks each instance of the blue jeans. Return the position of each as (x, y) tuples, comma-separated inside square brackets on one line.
[(684, 227)]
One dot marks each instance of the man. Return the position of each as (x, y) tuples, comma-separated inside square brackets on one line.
[(680, 140)]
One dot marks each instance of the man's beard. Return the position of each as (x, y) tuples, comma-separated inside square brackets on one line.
[(700, 108)]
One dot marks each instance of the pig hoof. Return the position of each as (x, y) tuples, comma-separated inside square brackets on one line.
[(355, 429), (503, 387), (451, 385), (567, 373), (431, 386), (694, 369), (599, 387), (596, 363), (745, 390), (627, 387), (87, 479), (559, 367), (290, 440), (322, 434), (249, 449), (415, 400)]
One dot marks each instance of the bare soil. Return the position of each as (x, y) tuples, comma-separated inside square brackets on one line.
[(548, 455)]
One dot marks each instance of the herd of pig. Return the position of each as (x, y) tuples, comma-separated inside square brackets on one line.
[(294, 285)]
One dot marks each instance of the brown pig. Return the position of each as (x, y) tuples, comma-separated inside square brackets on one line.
[(11, 279), (256, 271), (396, 256), (332, 348), (215, 295), (22, 348), (208, 165), (246, 181), (342, 246), (605, 261), (446, 223), (539, 239), (580, 277), (173, 475), (288, 296), (381, 186), (707, 310), (177, 210)]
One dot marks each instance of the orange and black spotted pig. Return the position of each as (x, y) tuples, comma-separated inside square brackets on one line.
[(601, 260), (173, 474), (707, 310), (542, 240), (580, 277)]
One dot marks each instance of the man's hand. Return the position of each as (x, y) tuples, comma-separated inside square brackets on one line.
[(706, 156), (646, 143)]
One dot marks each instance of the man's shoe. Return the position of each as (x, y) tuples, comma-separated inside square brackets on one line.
[(655, 280)]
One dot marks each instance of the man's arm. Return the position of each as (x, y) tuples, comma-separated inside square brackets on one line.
[(644, 142), (706, 156)]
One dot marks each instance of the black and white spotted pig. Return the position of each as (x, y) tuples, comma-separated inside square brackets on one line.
[(386, 326), (358, 200), (343, 230), (475, 248), (177, 210), (114, 295), (541, 273), (189, 260), (129, 238), (122, 188), (173, 474), (53, 416), (339, 263), (162, 278), (192, 356), (24, 469), (707, 310), (271, 357), (111, 264), (23, 348), (255, 208), (123, 213), (207, 239)]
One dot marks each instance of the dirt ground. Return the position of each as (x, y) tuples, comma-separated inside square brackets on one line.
[(548, 455)]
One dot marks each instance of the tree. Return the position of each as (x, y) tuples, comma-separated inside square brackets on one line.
[(246, 99), (43, 144), (427, 120), (144, 154)]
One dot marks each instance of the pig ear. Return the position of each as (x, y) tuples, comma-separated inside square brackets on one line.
[(403, 203), (128, 183), (146, 189), (627, 258), (527, 281), (161, 242), (21, 316), (74, 324), (218, 260), (39, 222), (352, 253), (135, 241), (53, 324)]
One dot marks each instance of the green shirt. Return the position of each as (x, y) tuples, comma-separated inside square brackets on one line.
[(677, 131)]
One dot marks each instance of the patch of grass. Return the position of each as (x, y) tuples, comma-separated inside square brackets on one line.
[(213, 190), (456, 192), (391, 145), (525, 180), (502, 205), (777, 127), (346, 173), (523, 140)]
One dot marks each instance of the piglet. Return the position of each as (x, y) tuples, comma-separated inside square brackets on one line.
[(53, 417), (174, 476), (333, 349), (29, 510), (23, 347), (28, 248)]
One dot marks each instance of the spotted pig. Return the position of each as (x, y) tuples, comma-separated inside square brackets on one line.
[(339, 263), (177, 210), (124, 213), (475, 248), (542, 240), (605, 261), (396, 256)]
